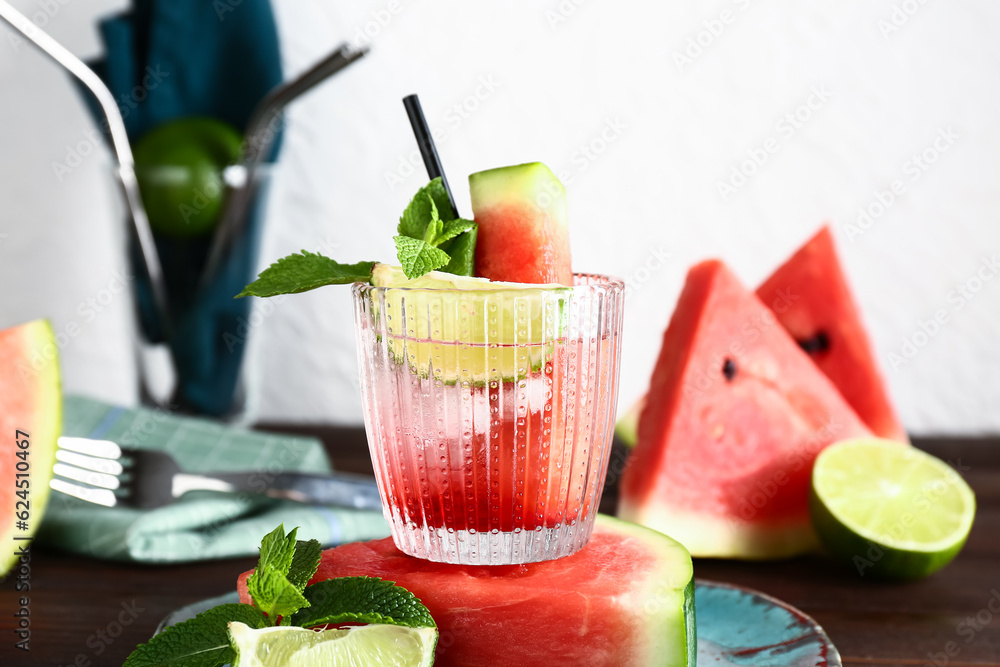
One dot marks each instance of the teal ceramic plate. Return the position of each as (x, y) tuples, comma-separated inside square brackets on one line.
[(736, 626), (739, 626)]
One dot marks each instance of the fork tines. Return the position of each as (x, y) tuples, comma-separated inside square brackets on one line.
[(88, 469)]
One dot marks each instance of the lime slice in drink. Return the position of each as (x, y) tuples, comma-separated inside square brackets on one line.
[(459, 329), (890, 510), (363, 645)]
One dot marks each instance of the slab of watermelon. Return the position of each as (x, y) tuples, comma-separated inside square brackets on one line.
[(627, 598), (735, 416), (523, 231), (811, 298), (30, 422)]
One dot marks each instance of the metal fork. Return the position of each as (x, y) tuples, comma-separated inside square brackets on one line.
[(102, 472)]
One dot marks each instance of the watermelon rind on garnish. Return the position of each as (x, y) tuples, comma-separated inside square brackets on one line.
[(523, 231)]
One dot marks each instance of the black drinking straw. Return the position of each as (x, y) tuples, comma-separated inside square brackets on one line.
[(426, 144)]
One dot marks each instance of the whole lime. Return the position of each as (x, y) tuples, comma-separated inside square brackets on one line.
[(179, 167)]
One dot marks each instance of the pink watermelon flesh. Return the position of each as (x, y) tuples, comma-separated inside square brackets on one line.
[(624, 599), (810, 297), (523, 234), (31, 410), (735, 416)]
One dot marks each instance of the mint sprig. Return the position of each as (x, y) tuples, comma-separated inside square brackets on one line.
[(278, 589), (274, 587), (428, 232), (430, 237)]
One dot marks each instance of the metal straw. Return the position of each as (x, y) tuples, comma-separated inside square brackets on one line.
[(260, 135), (119, 143)]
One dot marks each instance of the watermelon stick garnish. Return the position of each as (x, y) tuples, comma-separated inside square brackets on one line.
[(425, 142)]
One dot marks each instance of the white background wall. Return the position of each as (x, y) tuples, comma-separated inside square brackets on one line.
[(561, 73)]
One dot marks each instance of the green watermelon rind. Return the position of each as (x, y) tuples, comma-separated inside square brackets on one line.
[(531, 181), (714, 536), (690, 624), (676, 579)]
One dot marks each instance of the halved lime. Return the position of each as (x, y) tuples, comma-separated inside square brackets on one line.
[(363, 645), (179, 167), (457, 328), (888, 509)]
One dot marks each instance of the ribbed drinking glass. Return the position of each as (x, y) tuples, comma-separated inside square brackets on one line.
[(490, 414)]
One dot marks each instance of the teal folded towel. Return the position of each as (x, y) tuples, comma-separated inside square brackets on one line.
[(200, 525), (168, 59)]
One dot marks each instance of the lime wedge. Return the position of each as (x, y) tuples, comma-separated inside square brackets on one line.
[(363, 645), (890, 510), (457, 328)]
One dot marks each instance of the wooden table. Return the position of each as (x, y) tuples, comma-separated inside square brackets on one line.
[(87, 612)]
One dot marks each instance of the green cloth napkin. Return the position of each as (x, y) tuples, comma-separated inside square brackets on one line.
[(200, 525)]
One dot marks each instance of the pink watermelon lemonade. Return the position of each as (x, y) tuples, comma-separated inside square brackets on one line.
[(489, 413), (490, 467)]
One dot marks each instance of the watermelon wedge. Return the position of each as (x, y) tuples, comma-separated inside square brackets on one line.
[(30, 422), (627, 598), (735, 416), (523, 231), (810, 296), (811, 299)]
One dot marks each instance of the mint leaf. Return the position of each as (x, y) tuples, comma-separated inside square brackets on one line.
[(453, 228), (277, 595), (202, 641), (435, 189), (433, 231), (304, 562), (418, 257), (428, 205), (419, 212), (278, 549), (301, 272), (269, 585), (362, 600), (435, 238), (462, 250)]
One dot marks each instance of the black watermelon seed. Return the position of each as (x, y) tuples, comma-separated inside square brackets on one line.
[(818, 343), (729, 369)]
